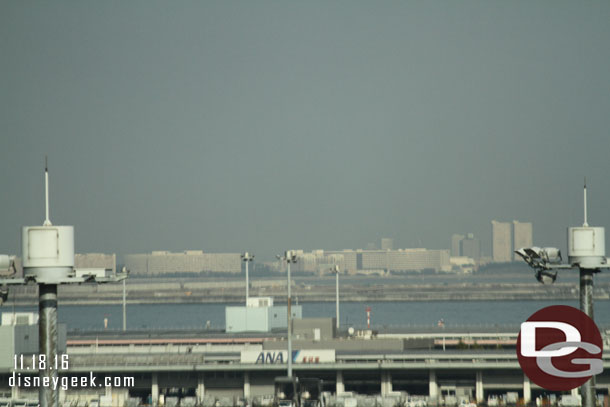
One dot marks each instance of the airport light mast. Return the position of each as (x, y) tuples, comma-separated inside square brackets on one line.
[(124, 305), (48, 261), (587, 252), (335, 269), (289, 257), (247, 257)]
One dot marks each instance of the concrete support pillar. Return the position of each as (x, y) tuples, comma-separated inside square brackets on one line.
[(62, 396), (340, 386), (575, 392), (154, 391), (118, 396), (479, 387), (47, 334), (386, 383), (527, 390), (200, 392), (110, 397), (433, 389), (246, 385)]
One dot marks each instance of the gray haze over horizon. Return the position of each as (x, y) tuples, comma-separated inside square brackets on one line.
[(264, 126)]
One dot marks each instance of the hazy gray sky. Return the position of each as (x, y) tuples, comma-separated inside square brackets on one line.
[(262, 126)]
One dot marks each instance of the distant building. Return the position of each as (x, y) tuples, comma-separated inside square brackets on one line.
[(387, 244), (190, 261), (522, 236), (314, 329), (470, 247), (466, 246), (259, 315), (373, 261), (462, 264), (456, 239), (317, 261), (501, 248), (95, 260)]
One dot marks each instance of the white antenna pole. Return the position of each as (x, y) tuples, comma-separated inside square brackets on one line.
[(585, 224), (47, 222)]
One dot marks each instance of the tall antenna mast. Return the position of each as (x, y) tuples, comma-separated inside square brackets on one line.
[(47, 222), (585, 224)]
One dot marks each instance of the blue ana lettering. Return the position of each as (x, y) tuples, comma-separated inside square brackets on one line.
[(270, 358)]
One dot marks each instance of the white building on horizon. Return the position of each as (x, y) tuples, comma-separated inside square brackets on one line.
[(522, 236), (501, 242), (361, 261), (188, 261)]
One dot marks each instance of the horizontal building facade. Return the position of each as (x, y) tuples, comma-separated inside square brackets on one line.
[(363, 261), (190, 261), (95, 260)]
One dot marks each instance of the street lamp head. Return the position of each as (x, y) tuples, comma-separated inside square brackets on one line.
[(335, 269), (529, 255), (546, 276), (290, 256), (542, 260), (7, 263), (552, 255), (247, 256)]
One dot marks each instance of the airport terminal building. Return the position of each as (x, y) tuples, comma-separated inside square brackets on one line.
[(439, 367)]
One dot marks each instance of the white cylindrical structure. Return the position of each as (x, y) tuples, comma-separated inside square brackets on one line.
[(587, 250), (48, 253), (587, 246), (5, 262)]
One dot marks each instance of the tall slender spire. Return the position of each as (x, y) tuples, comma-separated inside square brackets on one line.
[(47, 221), (585, 224)]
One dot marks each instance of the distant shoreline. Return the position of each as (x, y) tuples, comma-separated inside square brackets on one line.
[(446, 293), (505, 284)]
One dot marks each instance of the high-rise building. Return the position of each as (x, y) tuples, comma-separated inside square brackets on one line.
[(387, 243), (455, 245), (470, 246), (501, 247), (522, 236)]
